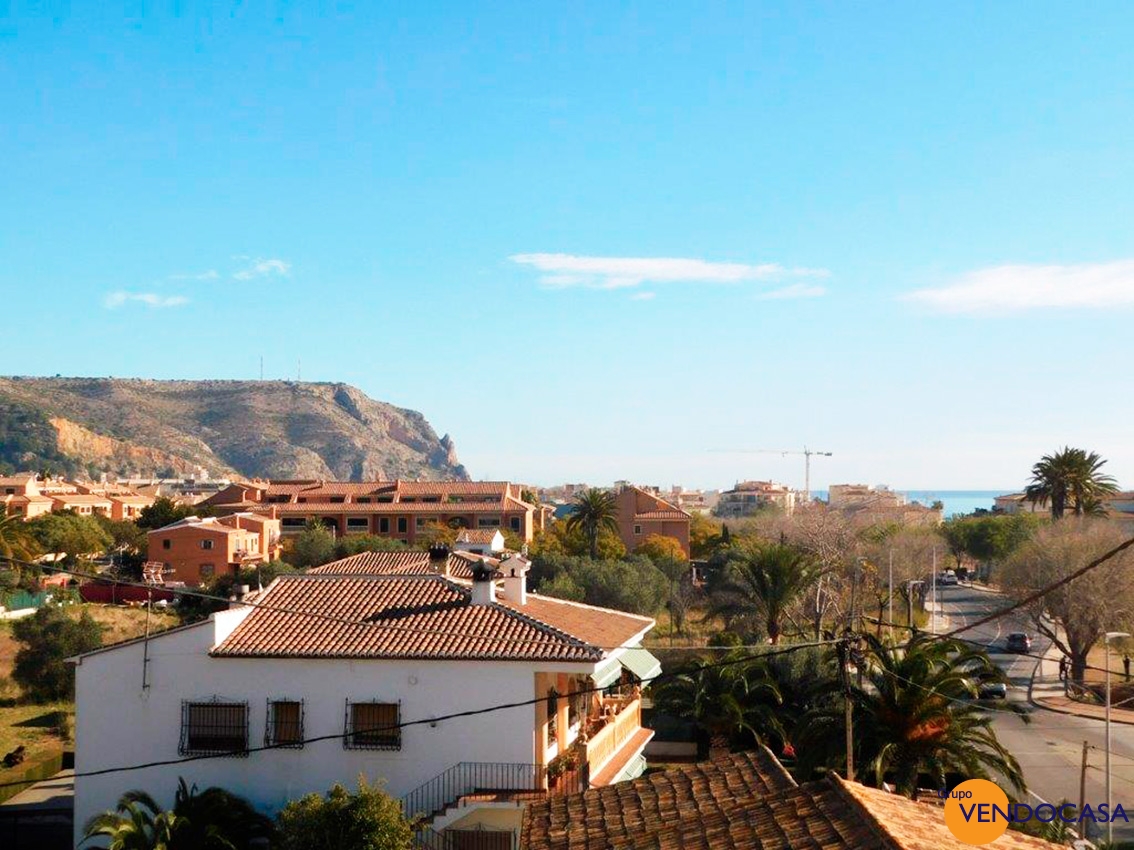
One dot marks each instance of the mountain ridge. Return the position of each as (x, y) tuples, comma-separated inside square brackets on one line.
[(271, 429)]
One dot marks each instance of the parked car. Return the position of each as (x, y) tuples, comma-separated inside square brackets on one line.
[(989, 686), (947, 578), (1019, 642)]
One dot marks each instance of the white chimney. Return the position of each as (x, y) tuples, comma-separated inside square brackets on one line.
[(515, 571), (483, 584)]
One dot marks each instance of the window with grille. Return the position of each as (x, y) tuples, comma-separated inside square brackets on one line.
[(206, 544), (373, 726), (284, 727), (214, 728)]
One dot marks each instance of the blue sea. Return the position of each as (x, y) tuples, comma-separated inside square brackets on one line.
[(955, 501)]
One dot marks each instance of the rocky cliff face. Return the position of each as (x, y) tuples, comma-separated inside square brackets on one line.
[(274, 429)]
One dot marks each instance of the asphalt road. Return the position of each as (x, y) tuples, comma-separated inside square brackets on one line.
[(1049, 748)]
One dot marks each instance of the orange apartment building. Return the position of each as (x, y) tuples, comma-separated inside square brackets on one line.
[(27, 496), (20, 496), (194, 550), (401, 510), (641, 513)]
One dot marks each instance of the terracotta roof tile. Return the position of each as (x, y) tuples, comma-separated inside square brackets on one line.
[(447, 508), (402, 562), (600, 817), (745, 803), (596, 626), (395, 617), (662, 515), (478, 535)]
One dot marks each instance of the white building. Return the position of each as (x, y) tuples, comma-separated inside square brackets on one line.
[(482, 541), (332, 666)]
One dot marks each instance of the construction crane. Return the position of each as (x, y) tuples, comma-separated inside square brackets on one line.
[(807, 453)]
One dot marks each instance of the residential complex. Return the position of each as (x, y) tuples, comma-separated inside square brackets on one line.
[(401, 510), (865, 504), (748, 497), (194, 550), (29, 496), (356, 671)]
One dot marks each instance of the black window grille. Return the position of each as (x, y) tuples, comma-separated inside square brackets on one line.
[(214, 728), (372, 726), (284, 726)]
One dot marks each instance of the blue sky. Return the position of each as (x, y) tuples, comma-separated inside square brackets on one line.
[(596, 241)]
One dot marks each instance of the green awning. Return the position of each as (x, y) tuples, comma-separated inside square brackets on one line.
[(641, 663), (607, 674)]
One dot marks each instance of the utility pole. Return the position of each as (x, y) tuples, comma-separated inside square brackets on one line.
[(890, 593), (843, 649), (1083, 789), (933, 596)]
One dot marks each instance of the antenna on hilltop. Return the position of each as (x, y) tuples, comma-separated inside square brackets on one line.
[(299, 369)]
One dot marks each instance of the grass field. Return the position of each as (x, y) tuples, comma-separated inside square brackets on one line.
[(44, 730)]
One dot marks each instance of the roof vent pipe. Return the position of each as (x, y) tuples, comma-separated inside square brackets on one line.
[(483, 584)]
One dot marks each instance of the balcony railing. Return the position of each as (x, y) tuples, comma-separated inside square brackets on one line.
[(489, 782), (622, 718)]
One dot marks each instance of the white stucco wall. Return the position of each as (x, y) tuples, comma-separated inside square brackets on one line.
[(117, 724)]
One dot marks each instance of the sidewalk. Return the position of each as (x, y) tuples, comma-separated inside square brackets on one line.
[(1050, 695)]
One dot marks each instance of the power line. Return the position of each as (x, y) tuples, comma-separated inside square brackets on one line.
[(458, 715)]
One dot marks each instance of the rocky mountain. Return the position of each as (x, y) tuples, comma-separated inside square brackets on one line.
[(270, 429)]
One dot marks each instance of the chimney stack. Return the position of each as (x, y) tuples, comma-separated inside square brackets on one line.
[(515, 571), (483, 584)]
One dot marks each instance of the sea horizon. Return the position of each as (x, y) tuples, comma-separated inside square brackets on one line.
[(956, 502)]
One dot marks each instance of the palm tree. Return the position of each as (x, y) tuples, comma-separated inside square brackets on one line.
[(594, 511), (725, 700), (214, 819), (915, 714), (138, 823), (766, 579), (1070, 479), (16, 540)]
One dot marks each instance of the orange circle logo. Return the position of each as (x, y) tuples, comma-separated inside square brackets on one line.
[(976, 811)]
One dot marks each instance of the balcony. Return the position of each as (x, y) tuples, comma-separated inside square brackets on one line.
[(614, 736)]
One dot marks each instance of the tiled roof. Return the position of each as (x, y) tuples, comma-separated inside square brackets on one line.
[(447, 508), (212, 524), (662, 515), (452, 488), (405, 562), (459, 564), (708, 806), (426, 617), (596, 626), (649, 802), (80, 498)]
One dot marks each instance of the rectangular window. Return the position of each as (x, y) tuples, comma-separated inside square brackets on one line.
[(214, 728), (207, 570), (515, 523), (206, 544), (166, 543), (372, 726), (284, 727), (337, 499), (637, 529), (363, 500), (422, 523), (384, 525), (403, 525), (488, 522), (293, 522), (357, 523)]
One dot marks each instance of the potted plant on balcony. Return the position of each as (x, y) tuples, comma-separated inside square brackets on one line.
[(562, 765)]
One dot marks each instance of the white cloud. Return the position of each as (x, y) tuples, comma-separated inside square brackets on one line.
[(1013, 288), (560, 271), (151, 299), (643, 296), (211, 274), (263, 268), (794, 290)]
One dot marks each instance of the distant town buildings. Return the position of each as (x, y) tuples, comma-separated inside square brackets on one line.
[(877, 505), (748, 497)]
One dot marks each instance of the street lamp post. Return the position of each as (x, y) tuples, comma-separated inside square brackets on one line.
[(1106, 647)]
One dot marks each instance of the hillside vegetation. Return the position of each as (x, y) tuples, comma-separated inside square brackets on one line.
[(274, 429)]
